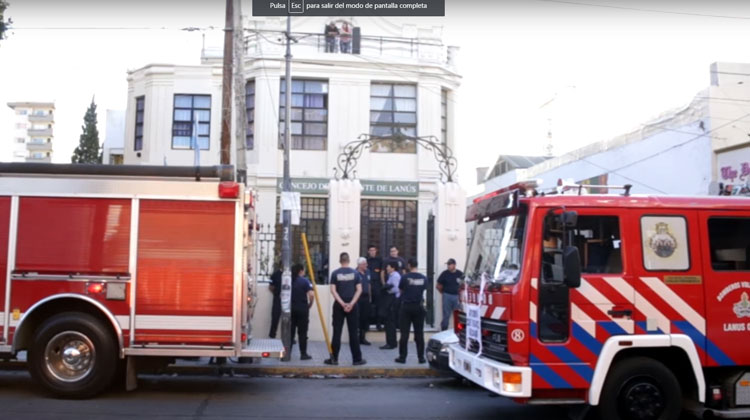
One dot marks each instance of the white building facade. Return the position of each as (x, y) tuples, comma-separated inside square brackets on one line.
[(404, 81), (113, 148), (33, 131), (689, 151)]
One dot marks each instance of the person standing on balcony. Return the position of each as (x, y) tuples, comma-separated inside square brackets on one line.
[(345, 38), (331, 32)]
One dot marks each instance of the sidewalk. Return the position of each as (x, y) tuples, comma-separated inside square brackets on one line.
[(380, 363)]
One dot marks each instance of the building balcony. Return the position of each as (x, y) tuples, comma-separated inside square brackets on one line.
[(41, 118), (313, 45), (47, 159), (377, 50), (39, 147), (46, 132)]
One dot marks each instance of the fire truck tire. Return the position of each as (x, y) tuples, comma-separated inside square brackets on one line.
[(640, 388), (73, 356)]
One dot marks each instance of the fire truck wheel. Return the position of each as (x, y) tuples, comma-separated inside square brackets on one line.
[(73, 355), (640, 388)]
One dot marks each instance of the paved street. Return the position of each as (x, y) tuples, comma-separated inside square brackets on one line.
[(202, 397)]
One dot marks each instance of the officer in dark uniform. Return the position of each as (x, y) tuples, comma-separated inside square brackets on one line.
[(346, 290), (275, 288), (375, 265), (302, 300), (412, 287), (364, 302)]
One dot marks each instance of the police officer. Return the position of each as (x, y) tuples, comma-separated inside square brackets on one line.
[(412, 287), (346, 290), (275, 288), (375, 265), (364, 302), (302, 299)]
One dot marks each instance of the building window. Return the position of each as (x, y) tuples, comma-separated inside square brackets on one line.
[(21, 126), (444, 116), (140, 103), (38, 140), (729, 239), (21, 112), (385, 223), (20, 140), (393, 110), (116, 159), (250, 112), (313, 218), (309, 114), (190, 110)]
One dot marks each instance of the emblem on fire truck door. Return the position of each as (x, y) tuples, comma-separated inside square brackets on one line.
[(662, 242), (517, 335), (742, 308)]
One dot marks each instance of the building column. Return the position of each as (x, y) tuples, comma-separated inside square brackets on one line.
[(450, 233)]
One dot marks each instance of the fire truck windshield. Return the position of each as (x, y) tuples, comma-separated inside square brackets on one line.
[(496, 249)]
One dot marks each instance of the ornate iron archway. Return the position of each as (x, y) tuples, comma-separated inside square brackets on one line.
[(348, 159)]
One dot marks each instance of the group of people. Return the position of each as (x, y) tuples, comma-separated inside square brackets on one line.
[(389, 290), (344, 35)]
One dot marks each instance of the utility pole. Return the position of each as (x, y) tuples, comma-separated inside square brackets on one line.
[(240, 130), (286, 214), (226, 86)]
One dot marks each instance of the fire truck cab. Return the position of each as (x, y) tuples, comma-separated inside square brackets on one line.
[(101, 266), (636, 305)]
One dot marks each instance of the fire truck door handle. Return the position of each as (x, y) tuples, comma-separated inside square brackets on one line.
[(620, 313)]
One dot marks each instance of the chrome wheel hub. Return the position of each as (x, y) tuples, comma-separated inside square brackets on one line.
[(69, 356)]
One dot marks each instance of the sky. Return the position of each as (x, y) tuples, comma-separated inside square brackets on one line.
[(602, 67)]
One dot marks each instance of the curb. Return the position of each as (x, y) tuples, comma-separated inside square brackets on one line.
[(317, 372)]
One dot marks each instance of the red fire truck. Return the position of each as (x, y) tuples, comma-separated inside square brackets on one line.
[(636, 305), (101, 267)]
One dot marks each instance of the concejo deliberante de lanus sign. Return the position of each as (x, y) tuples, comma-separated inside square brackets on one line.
[(319, 186)]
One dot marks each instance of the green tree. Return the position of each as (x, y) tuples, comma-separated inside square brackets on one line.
[(88, 146), (4, 25)]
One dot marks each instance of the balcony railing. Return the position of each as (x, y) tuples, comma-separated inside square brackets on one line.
[(39, 147), (41, 118), (40, 132), (424, 50), (46, 159)]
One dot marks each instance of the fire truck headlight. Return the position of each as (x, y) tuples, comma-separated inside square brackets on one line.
[(512, 382)]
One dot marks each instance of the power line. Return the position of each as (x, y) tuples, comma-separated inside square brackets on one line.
[(639, 9), (616, 171), (112, 28)]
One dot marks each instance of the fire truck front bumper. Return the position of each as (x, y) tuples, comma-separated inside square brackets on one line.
[(500, 378)]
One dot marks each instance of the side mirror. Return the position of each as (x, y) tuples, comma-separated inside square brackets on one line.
[(569, 219), (571, 267)]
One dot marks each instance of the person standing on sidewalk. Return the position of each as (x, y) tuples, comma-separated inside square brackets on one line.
[(391, 304), (346, 290), (375, 265), (447, 284), (275, 288), (412, 288), (365, 300), (302, 299)]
